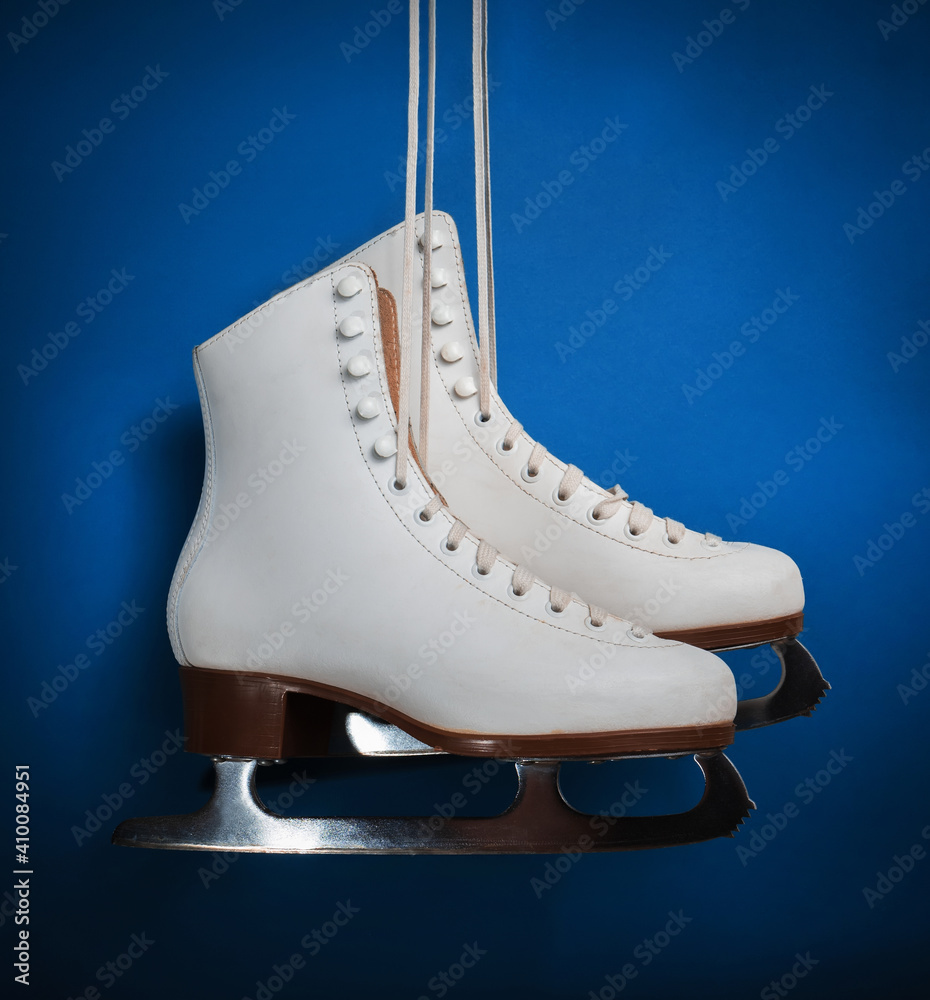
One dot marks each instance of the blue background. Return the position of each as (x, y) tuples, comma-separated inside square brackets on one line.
[(324, 179)]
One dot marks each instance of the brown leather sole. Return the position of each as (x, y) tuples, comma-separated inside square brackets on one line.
[(247, 714), (720, 637)]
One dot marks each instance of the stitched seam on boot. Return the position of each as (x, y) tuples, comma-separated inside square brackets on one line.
[(193, 544)]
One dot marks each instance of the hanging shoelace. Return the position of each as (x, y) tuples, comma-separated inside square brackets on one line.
[(487, 555), (641, 516), (487, 346)]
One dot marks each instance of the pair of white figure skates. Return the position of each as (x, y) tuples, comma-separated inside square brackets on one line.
[(357, 581)]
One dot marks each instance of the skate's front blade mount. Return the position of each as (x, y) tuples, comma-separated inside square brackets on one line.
[(538, 822), (798, 692)]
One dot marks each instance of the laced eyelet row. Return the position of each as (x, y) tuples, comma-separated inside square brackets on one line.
[(528, 476), (573, 477), (420, 518), (597, 522), (710, 543)]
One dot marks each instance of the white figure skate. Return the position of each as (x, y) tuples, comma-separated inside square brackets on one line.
[(680, 584), (321, 563), (311, 577)]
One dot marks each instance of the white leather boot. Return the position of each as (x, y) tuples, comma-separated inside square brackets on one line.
[(307, 562), (545, 514)]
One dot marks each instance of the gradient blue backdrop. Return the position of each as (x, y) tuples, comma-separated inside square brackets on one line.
[(325, 181)]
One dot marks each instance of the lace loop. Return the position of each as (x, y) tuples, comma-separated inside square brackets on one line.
[(559, 599), (429, 511), (598, 616), (675, 530), (456, 533), (536, 459), (571, 480), (510, 438), (485, 557), (523, 579)]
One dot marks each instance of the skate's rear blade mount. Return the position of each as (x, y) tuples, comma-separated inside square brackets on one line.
[(799, 691), (538, 822)]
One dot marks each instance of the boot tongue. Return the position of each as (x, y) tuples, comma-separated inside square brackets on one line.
[(390, 342)]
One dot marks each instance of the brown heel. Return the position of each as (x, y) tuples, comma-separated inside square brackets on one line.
[(242, 714)]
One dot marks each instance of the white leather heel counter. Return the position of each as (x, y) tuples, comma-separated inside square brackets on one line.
[(198, 532)]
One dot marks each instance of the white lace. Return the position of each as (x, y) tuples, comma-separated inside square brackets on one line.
[(487, 555), (487, 346)]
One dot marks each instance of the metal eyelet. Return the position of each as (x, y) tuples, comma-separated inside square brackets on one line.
[(480, 420), (591, 519), (550, 610), (501, 450), (526, 477), (592, 626), (631, 634), (667, 541), (397, 490), (514, 596), (477, 574), (420, 519), (558, 501), (444, 547), (630, 534)]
